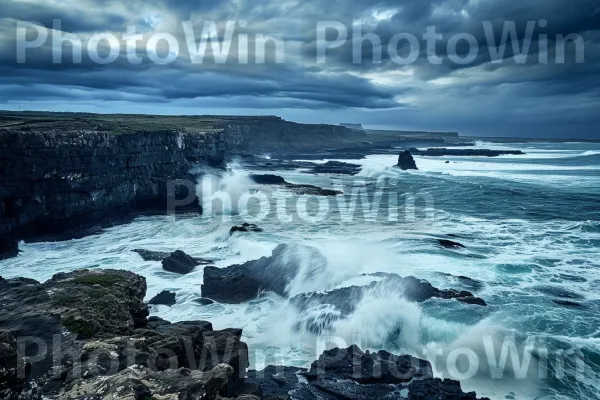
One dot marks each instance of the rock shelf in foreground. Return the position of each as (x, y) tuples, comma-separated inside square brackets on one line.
[(110, 349)]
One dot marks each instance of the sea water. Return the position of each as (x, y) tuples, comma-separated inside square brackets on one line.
[(530, 224)]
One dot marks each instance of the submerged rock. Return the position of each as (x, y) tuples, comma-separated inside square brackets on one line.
[(245, 227), (239, 283), (163, 298), (179, 262), (406, 161), (450, 244)]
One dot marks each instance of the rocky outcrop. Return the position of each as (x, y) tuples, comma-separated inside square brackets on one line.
[(122, 354), (353, 374), (239, 283), (406, 161), (310, 190), (339, 303), (163, 298), (245, 227), (179, 263), (97, 321), (440, 152), (141, 383)]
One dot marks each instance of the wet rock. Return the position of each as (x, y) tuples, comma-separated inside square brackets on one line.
[(406, 161), (336, 167), (239, 283), (140, 383), (319, 311), (310, 190), (179, 262), (439, 152), (450, 244), (436, 388), (245, 227), (471, 283), (163, 298), (149, 255), (268, 179), (71, 308), (381, 367), (353, 374)]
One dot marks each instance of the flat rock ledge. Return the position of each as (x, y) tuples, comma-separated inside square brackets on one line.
[(310, 190)]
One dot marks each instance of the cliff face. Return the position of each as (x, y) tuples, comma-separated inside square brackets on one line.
[(55, 182), (64, 175)]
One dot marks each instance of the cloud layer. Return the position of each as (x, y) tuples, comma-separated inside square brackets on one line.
[(368, 81)]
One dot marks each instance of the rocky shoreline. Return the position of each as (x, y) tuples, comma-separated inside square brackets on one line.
[(87, 335)]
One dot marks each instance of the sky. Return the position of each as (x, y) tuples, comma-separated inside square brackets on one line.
[(528, 68)]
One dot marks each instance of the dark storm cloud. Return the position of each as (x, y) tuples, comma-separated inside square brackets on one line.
[(423, 94)]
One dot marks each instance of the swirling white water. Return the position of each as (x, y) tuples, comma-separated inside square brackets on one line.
[(532, 230)]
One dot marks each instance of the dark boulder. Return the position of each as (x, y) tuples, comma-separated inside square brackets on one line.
[(436, 388), (406, 161), (353, 374), (163, 298), (245, 227), (239, 283), (268, 179), (179, 262), (450, 244)]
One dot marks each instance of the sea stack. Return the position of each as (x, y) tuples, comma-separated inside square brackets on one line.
[(406, 161)]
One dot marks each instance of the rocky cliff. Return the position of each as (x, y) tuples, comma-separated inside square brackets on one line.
[(64, 175)]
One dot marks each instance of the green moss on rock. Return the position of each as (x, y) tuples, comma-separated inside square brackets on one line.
[(97, 279), (83, 329)]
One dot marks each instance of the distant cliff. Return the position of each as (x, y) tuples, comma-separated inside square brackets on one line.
[(67, 174)]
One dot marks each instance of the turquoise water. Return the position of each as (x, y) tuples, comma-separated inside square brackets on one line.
[(530, 224)]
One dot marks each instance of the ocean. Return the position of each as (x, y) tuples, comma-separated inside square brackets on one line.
[(530, 225)]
